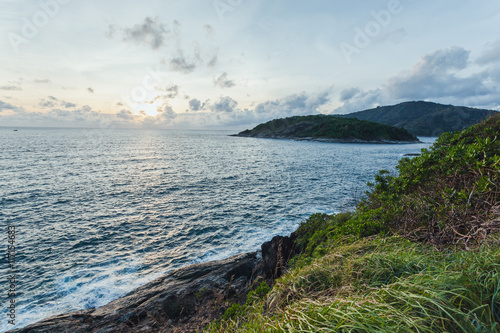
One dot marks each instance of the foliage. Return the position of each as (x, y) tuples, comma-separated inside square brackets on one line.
[(328, 127), (448, 195), (425, 118)]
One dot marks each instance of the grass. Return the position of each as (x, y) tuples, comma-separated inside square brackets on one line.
[(380, 284), (420, 253)]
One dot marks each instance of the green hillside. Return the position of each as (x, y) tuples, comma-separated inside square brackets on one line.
[(420, 253), (328, 128), (424, 118)]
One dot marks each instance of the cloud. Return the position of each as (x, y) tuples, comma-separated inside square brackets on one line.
[(195, 105), (7, 106), (125, 114), (435, 75), (348, 94), (356, 100), (225, 111), (166, 113), (292, 105), (491, 54), (224, 104), (223, 82), (172, 91), (158, 35), (213, 61), (45, 81), (180, 64), (81, 117), (10, 87), (209, 29), (151, 33), (90, 90), (53, 102)]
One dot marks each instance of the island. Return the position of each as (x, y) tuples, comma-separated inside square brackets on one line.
[(327, 128)]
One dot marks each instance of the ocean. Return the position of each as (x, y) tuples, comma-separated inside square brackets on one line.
[(98, 213)]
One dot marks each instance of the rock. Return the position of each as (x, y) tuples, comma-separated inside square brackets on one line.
[(184, 300), (187, 299), (275, 256)]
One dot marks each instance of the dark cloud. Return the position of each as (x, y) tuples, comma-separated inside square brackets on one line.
[(172, 91), (223, 82), (151, 32), (195, 105), (348, 94), (491, 54), (7, 106), (180, 64), (224, 104), (90, 90)]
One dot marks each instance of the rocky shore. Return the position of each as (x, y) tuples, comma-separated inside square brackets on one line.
[(184, 300), (354, 140)]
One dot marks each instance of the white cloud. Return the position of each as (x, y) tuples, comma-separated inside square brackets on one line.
[(360, 100), (491, 54)]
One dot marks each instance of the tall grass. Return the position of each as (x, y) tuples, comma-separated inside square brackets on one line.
[(381, 285)]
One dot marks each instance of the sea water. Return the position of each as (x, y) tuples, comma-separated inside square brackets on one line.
[(98, 213)]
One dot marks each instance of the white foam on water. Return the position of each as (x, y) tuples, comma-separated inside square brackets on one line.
[(99, 287)]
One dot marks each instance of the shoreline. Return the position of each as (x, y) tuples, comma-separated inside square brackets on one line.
[(185, 299), (326, 140)]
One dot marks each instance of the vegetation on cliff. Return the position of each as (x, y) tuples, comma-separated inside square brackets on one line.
[(419, 254), (425, 118), (328, 128)]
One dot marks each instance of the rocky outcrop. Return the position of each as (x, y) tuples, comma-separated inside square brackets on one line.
[(184, 300), (329, 128)]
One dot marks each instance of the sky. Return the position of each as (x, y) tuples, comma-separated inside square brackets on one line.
[(231, 64)]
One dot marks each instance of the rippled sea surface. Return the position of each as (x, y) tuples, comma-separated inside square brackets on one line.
[(100, 212)]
